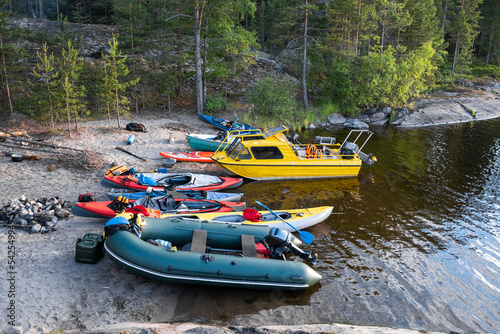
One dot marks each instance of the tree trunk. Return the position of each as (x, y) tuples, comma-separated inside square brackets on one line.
[(198, 14), (261, 23), (133, 57), (356, 42), (40, 8), (489, 42), (205, 61), (5, 74), (455, 55), (69, 117), (117, 108), (304, 60)]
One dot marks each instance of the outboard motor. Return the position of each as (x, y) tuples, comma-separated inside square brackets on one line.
[(293, 138), (348, 149), (278, 241)]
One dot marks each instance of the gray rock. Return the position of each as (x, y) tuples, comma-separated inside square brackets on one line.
[(355, 124), (463, 82), (398, 121), (377, 117), (336, 119), (363, 118), (23, 212), (401, 112), (50, 224), (386, 110), (62, 213), (311, 126), (36, 228), (381, 122), (372, 110)]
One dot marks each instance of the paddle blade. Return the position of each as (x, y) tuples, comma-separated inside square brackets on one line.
[(307, 237)]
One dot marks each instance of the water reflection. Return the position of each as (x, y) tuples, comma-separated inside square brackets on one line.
[(299, 194), (416, 243)]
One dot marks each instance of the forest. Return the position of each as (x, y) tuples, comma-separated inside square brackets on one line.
[(340, 55)]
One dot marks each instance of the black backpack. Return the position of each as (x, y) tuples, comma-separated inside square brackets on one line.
[(136, 127)]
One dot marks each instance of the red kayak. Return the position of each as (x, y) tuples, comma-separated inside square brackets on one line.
[(179, 181), (197, 156), (155, 206)]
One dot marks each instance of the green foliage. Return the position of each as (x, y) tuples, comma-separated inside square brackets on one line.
[(47, 81), (73, 91), (485, 71), (215, 103), (114, 86), (274, 102)]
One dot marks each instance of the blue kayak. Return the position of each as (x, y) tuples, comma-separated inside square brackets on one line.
[(224, 124), (201, 195)]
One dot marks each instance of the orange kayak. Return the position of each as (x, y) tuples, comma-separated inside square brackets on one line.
[(197, 156)]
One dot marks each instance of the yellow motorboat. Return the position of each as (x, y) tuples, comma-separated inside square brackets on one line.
[(270, 155)]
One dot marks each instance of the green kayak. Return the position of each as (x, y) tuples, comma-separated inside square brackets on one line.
[(197, 252)]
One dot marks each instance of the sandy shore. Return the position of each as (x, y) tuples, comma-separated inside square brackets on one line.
[(51, 293)]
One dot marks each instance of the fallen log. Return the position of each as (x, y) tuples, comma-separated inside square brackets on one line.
[(42, 143), (132, 154), (19, 134), (31, 148)]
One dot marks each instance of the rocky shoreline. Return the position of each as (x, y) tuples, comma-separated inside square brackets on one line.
[(442, 108)]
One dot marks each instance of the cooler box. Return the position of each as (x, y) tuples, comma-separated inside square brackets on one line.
[(89, 249)]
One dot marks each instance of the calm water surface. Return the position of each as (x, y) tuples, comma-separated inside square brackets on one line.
[(414, 242)]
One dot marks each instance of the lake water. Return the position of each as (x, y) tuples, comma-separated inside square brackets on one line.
[(414, 242)]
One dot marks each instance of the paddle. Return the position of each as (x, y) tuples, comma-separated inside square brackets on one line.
[(307, 237), (232, 124)]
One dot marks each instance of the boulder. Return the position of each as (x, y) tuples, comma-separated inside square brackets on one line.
[(377, 116), (398, 121), (401, 112), (363, 118), (336, 119), (381, 121), (463, 82), (36, 228), (356, 125), (386, 110)]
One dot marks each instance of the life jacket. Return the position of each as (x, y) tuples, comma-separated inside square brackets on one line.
[(117, 170), (119, 204), (252, 215), (138, 209)]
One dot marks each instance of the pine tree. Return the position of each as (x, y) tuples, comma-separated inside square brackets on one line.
[(118, 70), (3, 51), (71, 69), (464, 29), (45, 71)]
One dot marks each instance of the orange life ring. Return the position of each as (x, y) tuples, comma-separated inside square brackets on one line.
[(317, 153)]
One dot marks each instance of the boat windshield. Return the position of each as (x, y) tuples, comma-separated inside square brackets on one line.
[(236, 151), (232, 145), (275, 130)]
